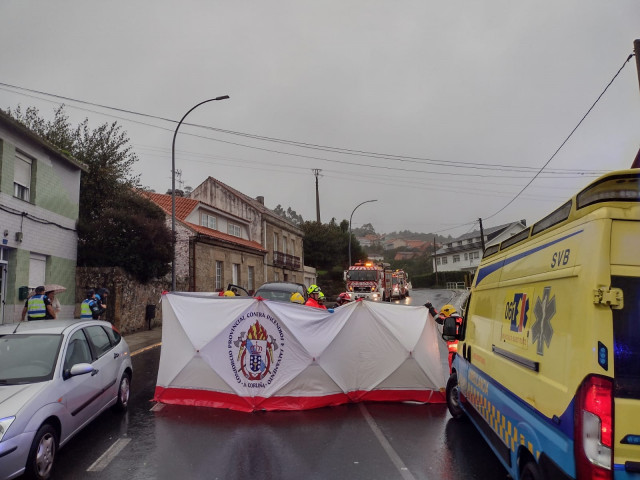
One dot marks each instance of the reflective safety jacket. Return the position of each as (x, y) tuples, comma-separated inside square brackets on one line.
[(85, 309), (311, 302), (36, 308)]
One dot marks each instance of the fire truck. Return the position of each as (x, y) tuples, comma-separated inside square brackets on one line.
[(399, 285), (369, 280)]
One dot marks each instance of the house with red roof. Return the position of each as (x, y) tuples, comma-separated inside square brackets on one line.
[(225, 236)]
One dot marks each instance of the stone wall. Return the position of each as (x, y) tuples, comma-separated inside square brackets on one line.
[(128, 299)]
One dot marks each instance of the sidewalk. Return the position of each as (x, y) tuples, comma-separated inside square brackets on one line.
[(144, 339)]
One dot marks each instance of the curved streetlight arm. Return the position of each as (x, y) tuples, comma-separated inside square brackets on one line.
[(173, 188), (350, 218)]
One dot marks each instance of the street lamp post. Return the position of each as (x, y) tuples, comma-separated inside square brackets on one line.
[(173, 189), (350, 218)]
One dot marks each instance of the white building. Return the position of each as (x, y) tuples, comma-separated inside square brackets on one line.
[(464, 253)]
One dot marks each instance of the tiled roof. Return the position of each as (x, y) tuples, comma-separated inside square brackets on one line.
[(224, 236), (184, 206)]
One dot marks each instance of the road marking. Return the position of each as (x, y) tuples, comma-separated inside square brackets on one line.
[(157, 407), (104, 460), (393, 456), (140, 350)]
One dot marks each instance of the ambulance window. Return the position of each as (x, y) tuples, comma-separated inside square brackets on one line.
[(560, 215), (621, 188), (490, 250), (523, 235), (626, 339)]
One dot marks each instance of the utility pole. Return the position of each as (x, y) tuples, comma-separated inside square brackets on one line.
[(636, 49), (435, 263), (316, 172), (481, 235)]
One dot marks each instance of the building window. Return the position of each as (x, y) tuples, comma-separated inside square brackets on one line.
[(284, 244), (444, 260), (276, 276), (235, 230), (22, 177), (219, 278), (235, 274), (476, 254), (208, 221), (456, 258), (250, 274), (466, 256), (438, 261), (292, 250), (275, 242)]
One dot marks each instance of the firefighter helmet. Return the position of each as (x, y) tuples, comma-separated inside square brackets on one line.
[(448, 310), (296, 298), (313, 289)]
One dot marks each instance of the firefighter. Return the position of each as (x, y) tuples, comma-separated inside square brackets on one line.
[(447, 311), (343, 298), (314, 294)]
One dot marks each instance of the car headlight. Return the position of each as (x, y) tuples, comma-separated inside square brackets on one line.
[(4, 425)]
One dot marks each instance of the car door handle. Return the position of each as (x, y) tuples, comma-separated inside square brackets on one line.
[(95, 371), (116, 355)]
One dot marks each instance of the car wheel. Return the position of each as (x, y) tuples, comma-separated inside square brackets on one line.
[(42, 453), (123, 393), (530, 471), (453, 398)]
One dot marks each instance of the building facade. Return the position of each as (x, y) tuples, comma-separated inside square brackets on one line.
[(282, 240), (225, 237), (39, 206), (464, 253)]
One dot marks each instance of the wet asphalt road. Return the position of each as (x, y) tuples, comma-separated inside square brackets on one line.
[(361, 441)]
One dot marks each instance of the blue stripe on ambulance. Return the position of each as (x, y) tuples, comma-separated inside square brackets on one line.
[(489, 269), (506, 422)]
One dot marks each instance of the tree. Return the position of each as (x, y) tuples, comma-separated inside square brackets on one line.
[(326, 245), (116, 227), (290, 215)]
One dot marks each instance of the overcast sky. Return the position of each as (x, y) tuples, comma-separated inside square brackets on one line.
[(454, 94)]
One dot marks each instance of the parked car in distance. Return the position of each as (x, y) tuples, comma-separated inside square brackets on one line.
[(280, 291), (56, 376)]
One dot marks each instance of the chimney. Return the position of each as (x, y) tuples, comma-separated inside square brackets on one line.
[(260, 200)]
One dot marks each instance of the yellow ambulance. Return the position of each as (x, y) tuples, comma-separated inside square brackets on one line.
[(548, 364)]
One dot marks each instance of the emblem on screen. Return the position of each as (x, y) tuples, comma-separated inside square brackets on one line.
[(257, 354)]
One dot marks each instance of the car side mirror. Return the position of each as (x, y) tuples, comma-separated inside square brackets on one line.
[(80, 369), (450, 329)]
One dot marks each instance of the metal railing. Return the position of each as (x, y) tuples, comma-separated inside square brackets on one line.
[(281, 259)]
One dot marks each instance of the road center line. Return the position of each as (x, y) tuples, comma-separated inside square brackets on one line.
[(104, 460), (395, 458)]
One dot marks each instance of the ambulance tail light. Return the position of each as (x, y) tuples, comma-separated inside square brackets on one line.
[(594, 429)]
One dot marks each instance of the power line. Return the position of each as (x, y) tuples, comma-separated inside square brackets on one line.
[(339, 150), (565, 140)]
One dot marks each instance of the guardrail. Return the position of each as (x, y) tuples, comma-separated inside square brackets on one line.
[(456, 285)]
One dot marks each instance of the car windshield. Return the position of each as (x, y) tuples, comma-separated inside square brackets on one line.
[(279, 295), (363, 275), (28, 358)]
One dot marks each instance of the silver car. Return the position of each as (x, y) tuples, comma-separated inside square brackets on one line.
[(56, 376)]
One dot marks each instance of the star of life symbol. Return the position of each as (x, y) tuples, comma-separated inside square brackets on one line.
[(544, 310)]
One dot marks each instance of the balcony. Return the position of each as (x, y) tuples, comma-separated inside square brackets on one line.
[(286, 261)]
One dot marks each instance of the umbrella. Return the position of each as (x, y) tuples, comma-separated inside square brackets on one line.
[(54, 288)]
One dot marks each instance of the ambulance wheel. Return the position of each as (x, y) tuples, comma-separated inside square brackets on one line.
[(453, 399), (530, 471)]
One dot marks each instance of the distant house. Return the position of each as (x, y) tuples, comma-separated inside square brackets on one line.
[(395, 243), (368, 240), (406, 255), (39, 194), (465, 252)]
